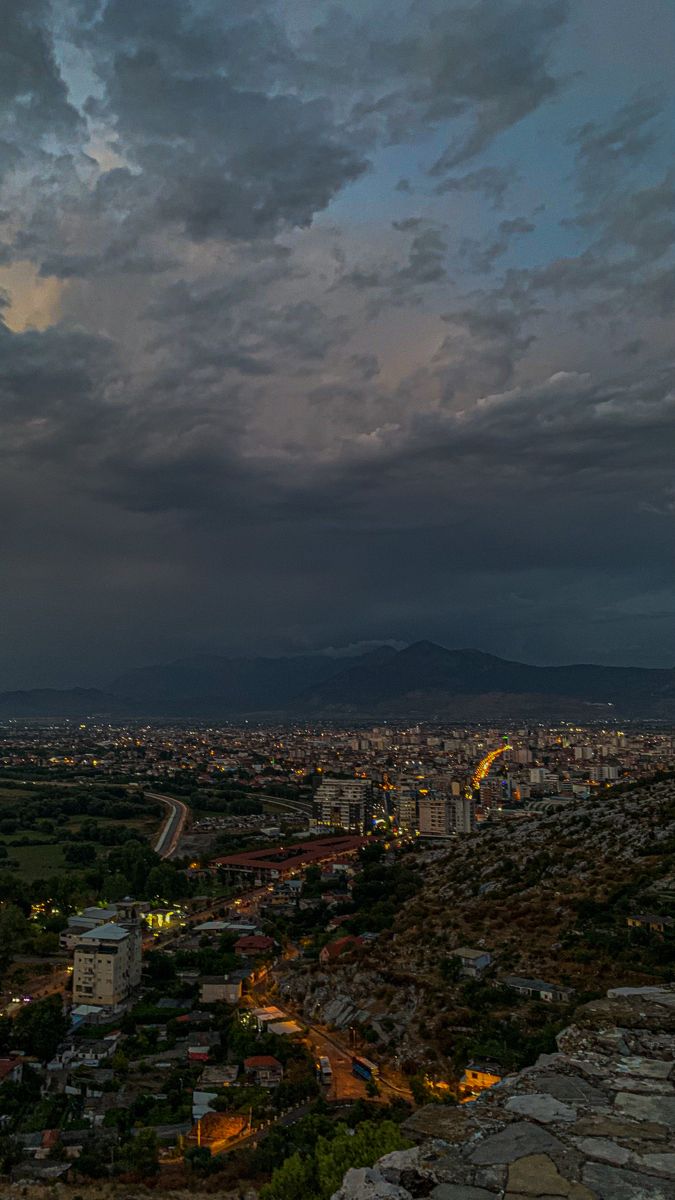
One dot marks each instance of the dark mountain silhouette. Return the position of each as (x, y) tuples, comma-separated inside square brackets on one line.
[(424, 680)]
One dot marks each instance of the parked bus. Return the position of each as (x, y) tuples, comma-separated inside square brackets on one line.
[(324, 1071), (364, 1068)]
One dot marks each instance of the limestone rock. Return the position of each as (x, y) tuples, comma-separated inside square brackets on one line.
[(540, 1107), (513, 1142), (536, 1176), (615, 1183), (364, 1183)]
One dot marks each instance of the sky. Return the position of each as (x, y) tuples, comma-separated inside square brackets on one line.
[(329, 322)]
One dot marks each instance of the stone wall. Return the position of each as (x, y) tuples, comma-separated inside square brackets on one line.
[(595, 1121)]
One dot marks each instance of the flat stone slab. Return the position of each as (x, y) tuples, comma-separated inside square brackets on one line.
[(540, 1107), (461, 1191), (617, 1127), (663, 1164), (571, 1089), (514, 1142), (647, 1108), (437, 1121), (636, 1083), (537, 1176), (646, 1068), (614, 1183), (603, 1149)]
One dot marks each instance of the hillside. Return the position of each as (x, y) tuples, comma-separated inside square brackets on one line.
[(547, 896)]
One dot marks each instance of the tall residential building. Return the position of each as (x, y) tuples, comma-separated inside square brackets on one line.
[(435, 819), (406, 805), (344, 804), (107, 967), (463, 814)]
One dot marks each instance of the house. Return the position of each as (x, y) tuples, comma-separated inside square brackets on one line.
[(650, 921), (208, 1087), (11, 1070), (255, 943), (336, 949), (266, 1070), (336, 922), (220, 1076), (199, 1046), (474, 962), (89, 1052), (267, 1016), (216, 988), (478, 1076), (538, 989)]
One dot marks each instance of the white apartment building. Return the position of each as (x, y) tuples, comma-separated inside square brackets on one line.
[(344, 804), (107, 968)]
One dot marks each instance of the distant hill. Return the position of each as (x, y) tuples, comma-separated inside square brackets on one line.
[(424, 680), (208, 684)]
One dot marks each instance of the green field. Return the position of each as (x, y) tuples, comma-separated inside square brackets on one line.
[(39, 861), (36, 862)]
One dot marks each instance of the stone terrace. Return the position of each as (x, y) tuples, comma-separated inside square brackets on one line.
[(596, 1121)]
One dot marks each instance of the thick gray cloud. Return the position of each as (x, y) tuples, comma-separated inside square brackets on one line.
[(256, 395)]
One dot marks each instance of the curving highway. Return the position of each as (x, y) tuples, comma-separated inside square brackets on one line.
[(173, 826)]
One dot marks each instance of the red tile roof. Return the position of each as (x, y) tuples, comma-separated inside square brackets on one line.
[(254, 941)]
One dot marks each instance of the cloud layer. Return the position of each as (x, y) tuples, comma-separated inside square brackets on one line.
[(332, 322)]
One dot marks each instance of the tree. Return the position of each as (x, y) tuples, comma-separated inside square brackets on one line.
[(198, 1159), (39, 1027), (361, 1149), (14, 931), (93, 1160), (141, 1153), (451, 969), (293, 1180)]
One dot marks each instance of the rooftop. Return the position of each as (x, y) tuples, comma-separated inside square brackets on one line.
[(105, 933)]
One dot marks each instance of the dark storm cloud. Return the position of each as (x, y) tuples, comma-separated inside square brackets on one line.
[(486, 63), (258, 418), (33, 97)]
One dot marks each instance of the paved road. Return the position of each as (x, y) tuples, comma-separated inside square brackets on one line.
[(174, 825)]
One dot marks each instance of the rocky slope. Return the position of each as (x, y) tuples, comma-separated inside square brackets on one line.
[(546, 895), (594, 1121)]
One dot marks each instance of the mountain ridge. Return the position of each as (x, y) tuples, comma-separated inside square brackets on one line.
[(424, 680)]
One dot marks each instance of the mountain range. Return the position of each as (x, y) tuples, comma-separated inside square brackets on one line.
[(423, 680)]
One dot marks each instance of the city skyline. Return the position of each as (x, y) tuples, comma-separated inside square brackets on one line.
[(329, 324)]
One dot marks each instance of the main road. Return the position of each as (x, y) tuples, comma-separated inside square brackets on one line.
[(174, 825)]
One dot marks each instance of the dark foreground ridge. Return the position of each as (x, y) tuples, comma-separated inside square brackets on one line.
[(595, 1121)]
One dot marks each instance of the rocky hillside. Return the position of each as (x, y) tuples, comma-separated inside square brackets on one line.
[(594, 1121), (548, 896)]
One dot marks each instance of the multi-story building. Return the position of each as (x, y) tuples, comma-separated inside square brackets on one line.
[(406, 805), (344, 804), (435, 819), (463, 809), (107, 968)]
